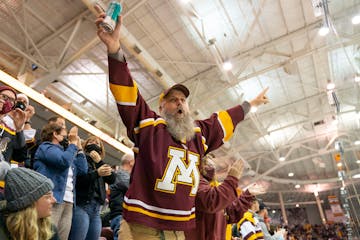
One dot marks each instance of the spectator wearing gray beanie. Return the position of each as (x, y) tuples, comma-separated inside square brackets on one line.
[(28, 200)]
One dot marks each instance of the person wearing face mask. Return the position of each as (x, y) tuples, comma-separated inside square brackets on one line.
[(12, 140), (90, 192), (32, 136), (218, 204), (60, 158)]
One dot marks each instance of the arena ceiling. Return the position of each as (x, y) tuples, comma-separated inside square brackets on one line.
[(52, 46)]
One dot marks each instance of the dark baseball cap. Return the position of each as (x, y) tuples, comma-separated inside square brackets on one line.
[(178, 87)]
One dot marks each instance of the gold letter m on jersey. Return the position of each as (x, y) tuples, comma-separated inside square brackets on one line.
[(178, 172)]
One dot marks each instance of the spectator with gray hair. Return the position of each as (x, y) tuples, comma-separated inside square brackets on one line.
[(168, 147)]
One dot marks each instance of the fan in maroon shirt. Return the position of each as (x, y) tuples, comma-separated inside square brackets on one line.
[(218, 204), (165, 177)]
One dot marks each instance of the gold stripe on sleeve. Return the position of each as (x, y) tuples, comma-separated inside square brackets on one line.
[(226, 124), (125, 95)]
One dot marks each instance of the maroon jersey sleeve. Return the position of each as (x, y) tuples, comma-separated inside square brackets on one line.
[(220, 127), (239, 207), (130, 103), (212, 199)]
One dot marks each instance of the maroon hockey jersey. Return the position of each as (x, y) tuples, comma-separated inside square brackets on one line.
[(165, 176)]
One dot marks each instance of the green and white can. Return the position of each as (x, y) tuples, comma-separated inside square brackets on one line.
[(112, 14)]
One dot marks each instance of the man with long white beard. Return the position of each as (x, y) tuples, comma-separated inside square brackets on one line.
[(160, 201), (180, 124)]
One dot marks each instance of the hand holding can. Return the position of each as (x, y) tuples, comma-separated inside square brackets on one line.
[(111, 18)]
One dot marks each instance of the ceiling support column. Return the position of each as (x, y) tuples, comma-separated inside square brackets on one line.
[(283, 211), (321, 211)]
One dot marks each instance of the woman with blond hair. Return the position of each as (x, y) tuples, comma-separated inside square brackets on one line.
[(25, 212), (90, 192)]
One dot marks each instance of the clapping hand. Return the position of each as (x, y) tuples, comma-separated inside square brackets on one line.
[(237, 169), (73, 136)]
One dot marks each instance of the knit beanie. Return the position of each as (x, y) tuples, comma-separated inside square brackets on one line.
[(23, 187)]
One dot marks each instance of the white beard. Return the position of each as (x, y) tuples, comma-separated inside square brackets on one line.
[(180, 128)]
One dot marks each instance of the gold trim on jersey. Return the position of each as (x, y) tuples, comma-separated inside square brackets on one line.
[(157, 215), (9, 130), (197, 129), (125, 95), (226, 124), (203, 141), (135, 149), (255, 236), (149, 122)]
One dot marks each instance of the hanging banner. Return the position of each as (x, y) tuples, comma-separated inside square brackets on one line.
[(335, 206)]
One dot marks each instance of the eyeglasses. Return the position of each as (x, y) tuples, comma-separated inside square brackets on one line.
[(7, 98)]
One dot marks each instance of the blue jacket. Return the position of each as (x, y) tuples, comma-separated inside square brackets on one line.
[(53, 162)]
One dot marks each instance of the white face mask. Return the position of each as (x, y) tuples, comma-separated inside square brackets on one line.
[(4, 168)]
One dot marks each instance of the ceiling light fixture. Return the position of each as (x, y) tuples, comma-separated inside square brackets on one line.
[(335, 122), (47, 103), (357, 78), (330, 86), (297, 186), (273, 211), (324, 30), (357, 142), (358, 161), (291, 174), (227, 65), (297, 205), (355, 20), (281, 159)]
